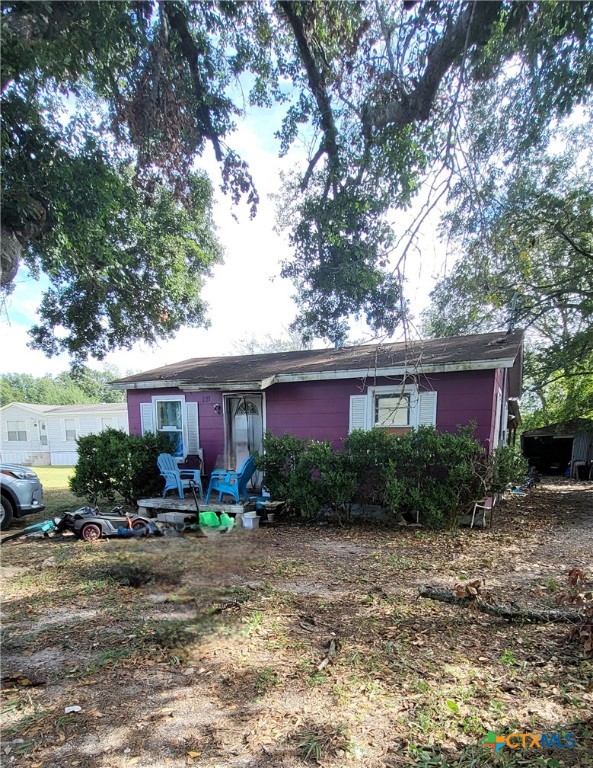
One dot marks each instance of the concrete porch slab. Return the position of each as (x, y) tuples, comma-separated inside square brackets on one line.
[(186, 506)]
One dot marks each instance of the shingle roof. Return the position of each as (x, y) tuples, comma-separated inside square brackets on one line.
[(66, 409), (32, 406), (563, 428), (89, 408), (451, 353)]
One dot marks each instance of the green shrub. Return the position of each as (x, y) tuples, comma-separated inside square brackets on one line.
[(278, 462), (113, 466), (506, 467), (424, 474), (307, 474), (370, 454), (434, 476)]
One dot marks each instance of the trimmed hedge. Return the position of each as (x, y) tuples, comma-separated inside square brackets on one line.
[(424, 474)]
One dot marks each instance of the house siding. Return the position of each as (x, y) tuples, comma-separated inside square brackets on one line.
[(211, 424), (319, 410), (465, 397), (20, 451), (58, 452)]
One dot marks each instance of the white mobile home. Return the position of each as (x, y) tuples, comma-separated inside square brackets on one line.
[(44, 435)]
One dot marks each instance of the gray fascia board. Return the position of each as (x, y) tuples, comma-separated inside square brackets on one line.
[(479, 365), (286, 378), (146, 385)]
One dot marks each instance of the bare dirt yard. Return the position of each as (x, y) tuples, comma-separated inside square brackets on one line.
[(297, 645)]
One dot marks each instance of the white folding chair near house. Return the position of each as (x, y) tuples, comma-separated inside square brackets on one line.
[(486, 505)]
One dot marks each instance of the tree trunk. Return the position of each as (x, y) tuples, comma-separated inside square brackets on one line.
[(511, 613), (12, 251)]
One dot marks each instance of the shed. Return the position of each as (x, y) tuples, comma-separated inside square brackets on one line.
[(560, 448)]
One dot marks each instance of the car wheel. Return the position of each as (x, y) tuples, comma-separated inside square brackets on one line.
[(140, 525), (90, 532), (6, 513)]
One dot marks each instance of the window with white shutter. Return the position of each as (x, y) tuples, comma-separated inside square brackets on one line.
[(170, 417), (358, 412), (427, 409), (146, 420), (193, 428)]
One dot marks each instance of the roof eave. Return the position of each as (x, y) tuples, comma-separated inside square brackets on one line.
[(198, 386), (286, 378), (37, 411), (156, 384), (474, 365)]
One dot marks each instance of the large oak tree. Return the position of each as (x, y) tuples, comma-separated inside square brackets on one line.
[(382, 91)]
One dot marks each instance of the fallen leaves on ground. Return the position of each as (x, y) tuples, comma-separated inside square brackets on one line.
[(299, 644)]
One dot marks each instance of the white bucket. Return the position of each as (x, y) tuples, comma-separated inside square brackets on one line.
[(251, 521)]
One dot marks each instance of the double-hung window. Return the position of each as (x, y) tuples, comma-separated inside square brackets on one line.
[(169, 419), (17, 431), (70, 431), (392, 410)]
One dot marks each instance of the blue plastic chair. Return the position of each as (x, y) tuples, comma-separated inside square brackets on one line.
[(234, 483), (177, 479)]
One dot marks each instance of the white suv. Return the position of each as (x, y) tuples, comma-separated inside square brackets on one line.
[(22, 493)]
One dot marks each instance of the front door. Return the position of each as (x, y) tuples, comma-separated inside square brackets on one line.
[(245, 428)]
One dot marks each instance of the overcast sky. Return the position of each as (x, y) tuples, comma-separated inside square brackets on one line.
[(246, 295)]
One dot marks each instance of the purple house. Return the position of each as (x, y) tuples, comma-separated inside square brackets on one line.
[(221, 407)]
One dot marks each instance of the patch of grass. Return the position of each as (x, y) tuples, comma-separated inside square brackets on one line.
[(57, 495), (370, 663), (508, 658), (31, 718), (266, 679), (287, 567), (322, 743), (168, 634), (251, 623), (113, 658), (400, 562), (65, 720)]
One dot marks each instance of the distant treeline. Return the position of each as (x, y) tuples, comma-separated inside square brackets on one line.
[(68, 388)]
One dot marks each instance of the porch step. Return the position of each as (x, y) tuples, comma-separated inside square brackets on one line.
[(186, 506)]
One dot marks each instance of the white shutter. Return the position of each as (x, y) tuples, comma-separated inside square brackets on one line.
[(498, 413), (193, 429), (146, 420), (358, 412), (427, 409)]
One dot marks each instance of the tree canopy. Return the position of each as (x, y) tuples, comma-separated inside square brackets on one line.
[(83, 386), (387, 94), (527, 260)]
